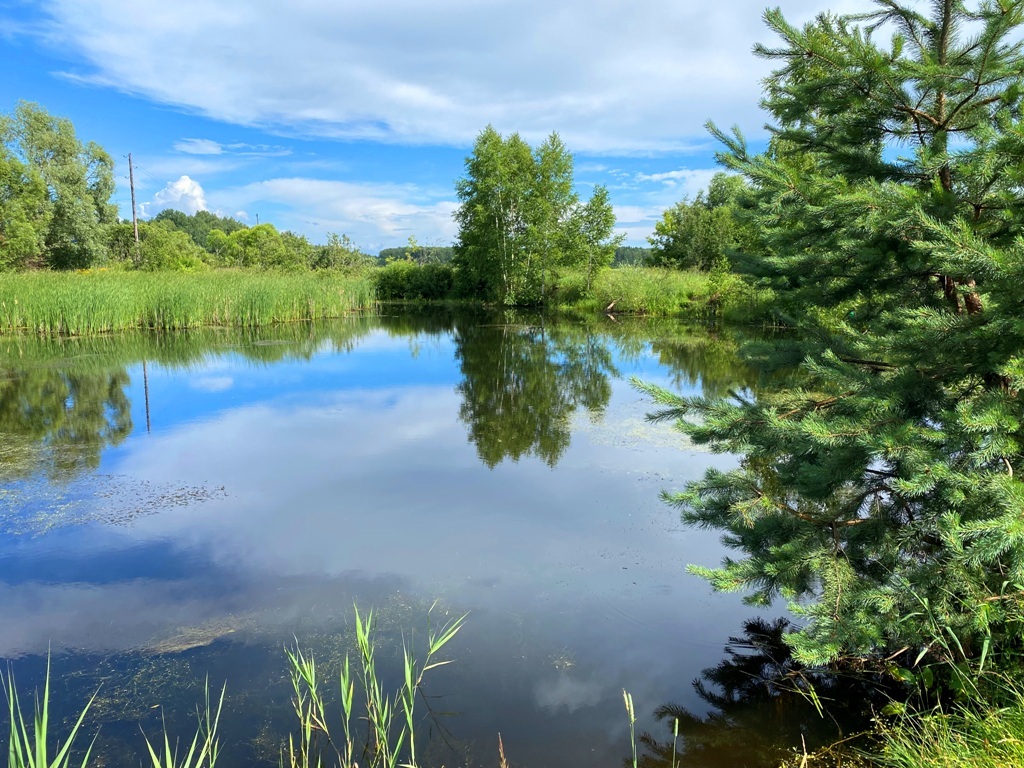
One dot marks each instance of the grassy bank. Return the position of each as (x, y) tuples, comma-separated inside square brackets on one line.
[(99, 302), (666, 292)]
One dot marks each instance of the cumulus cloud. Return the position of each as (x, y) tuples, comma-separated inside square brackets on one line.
[(370, 213), (185, 194), (610, 75)]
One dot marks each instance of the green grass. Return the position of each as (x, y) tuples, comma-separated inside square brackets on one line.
[(29, 747), (665, 292), (100, 302), (387, 718), (976, 735)]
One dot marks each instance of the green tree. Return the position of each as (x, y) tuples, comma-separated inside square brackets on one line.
[(701, 234), (160, 246), (340, 253), (25, 210), (881, 494), (594, 234), (199, 225), (520, 218), (262, 247), (491, 252), (55, 199)]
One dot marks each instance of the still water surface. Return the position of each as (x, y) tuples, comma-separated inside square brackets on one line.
[(173, 507)]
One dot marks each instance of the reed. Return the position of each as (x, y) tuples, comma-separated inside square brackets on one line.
[(73, 304), (30, 747), (390, 716)]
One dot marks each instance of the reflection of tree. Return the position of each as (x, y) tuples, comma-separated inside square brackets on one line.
[(522, 383), (763, 707), (60, 420)]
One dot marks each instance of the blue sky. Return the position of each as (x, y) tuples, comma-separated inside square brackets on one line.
[(356, 116)]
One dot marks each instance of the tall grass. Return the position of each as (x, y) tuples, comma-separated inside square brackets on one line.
[(205, 746), (100, 302), (974, 735), (390, 717), (665, 292), (30, 747)]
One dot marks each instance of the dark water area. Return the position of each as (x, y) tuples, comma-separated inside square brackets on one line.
[(181, 507)]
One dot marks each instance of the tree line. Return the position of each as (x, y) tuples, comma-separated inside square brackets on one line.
[(522, 223)]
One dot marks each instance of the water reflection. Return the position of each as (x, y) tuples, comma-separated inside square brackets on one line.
[(60, 421), (764, 705), (296, 470), (522, 383)]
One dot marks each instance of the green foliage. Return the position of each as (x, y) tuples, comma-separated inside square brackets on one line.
[(205, 747), (630, 256), (520, 220), (412, 281), (160, 247), (390, 717), (30, 747), (414, 251), (340, 253), (199, 225), (881, 495), (99, 302), (54, 193), (971, 736), (701, 234), (262, 247), (688, 293)]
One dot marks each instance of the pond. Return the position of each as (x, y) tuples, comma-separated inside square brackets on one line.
[(177, 507)]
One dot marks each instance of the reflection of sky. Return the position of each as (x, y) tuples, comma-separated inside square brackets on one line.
[(354, 468)]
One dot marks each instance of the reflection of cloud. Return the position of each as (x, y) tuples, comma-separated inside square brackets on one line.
[(565, 692), (212, 383)]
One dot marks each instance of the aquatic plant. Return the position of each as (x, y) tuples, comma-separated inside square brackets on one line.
[(99, 302), (390, 716), (205, 746), (29, 747)]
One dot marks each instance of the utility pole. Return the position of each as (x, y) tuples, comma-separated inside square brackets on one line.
[(131, 183)]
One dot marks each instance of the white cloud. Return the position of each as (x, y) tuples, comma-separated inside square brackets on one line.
[(610, 75), (210, 147), (370, 213), (198, 147), (686, 181), (185, 194)]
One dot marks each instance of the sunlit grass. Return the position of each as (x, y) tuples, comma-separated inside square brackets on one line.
[(30, 747), (664, 292), (974, 735), (100, 302), (389, 716)]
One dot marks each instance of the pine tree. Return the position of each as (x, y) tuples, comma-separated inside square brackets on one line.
[(879, 492)]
